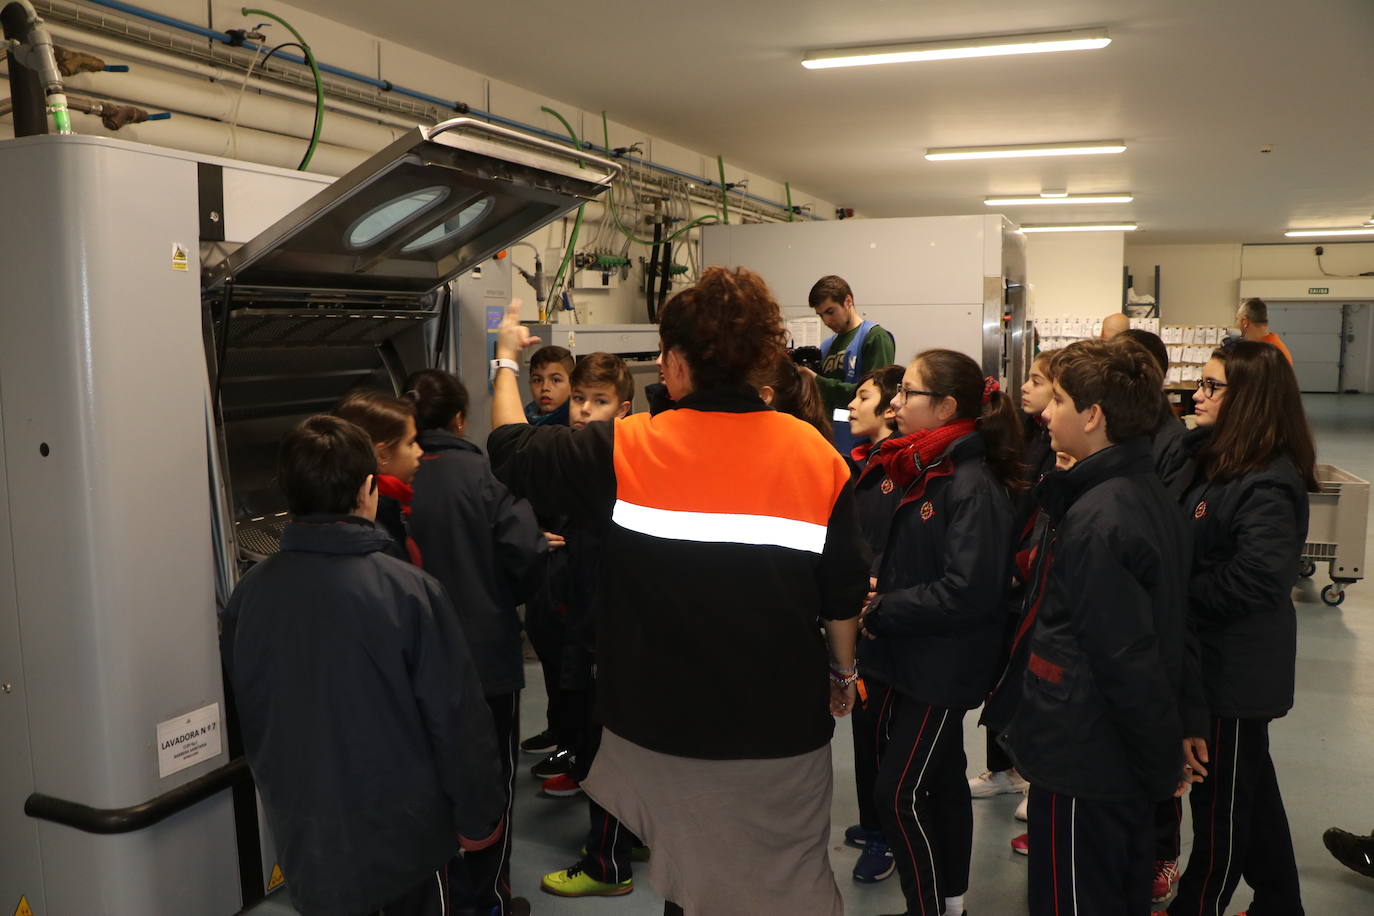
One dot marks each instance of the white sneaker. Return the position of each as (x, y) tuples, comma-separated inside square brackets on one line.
[(1006, 782), (1021, 808)]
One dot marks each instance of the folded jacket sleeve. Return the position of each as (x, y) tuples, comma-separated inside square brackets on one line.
[(1268, 542), (844, 565), (455, 714), (1113, 620), (560, 470), (971, 591), (516, 534)]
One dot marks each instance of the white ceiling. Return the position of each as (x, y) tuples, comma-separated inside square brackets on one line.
[(1196, 88)]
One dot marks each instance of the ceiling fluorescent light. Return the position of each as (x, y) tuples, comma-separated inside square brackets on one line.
[(1058, 199), (1317, 233), (992, 46), (1085, 148), (1082, 227)]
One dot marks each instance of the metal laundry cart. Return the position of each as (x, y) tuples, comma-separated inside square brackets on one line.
[(1336, 530)]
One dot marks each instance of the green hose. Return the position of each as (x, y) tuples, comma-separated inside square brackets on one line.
[(319, 83), (724, 193), (615, 217), (788, 188), (577, 223)]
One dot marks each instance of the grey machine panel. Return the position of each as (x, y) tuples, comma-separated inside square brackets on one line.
[(102, 376), (123, 475)]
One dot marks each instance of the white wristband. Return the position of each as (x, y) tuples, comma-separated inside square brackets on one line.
[(498, 364)]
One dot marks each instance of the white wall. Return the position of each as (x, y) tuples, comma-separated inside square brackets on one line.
[(1201, 282), (1075, 273), (199, 124)]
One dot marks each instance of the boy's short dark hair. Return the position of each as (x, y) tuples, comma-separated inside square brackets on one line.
[(888, 381), (1150, 341), (604, 369), (322, 463), (829, 289), (1124, 379), (552, 354)]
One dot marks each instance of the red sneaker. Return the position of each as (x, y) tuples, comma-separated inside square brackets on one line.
[(560, 786), (1021, 845), (1166, 879)]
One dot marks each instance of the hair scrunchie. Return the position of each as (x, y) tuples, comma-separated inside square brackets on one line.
[(990, 387)]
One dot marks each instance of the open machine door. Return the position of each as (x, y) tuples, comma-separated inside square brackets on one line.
[(335, 295), (432, 204)]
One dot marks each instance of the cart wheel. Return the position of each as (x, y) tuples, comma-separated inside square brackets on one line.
[(1306, 567), (1333, 594)]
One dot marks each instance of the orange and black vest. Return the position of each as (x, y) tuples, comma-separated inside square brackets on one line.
[(729, 531)]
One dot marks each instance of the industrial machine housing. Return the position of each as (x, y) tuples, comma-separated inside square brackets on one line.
[(142, 393)]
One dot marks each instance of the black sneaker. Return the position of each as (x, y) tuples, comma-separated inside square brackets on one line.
[(542, 743), (1354, 852), (559, 763)]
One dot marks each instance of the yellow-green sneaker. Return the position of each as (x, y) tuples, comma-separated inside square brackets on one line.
[(574, 882)]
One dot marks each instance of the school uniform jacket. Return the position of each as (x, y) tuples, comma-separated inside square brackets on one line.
[(1166, 446), (729, 529), (1248, 533), (1099, 715), (483, 544), (877, 498), (940, 612), (363, 719)]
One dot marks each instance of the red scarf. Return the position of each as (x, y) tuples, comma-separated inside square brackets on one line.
[(397, 489), (906, 458)]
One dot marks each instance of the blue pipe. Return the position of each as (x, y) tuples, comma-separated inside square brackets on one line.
[(388, 86)]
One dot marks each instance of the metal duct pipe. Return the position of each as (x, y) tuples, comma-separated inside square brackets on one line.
[(126, 52), (35, 83), (212, 138), (165, 90)]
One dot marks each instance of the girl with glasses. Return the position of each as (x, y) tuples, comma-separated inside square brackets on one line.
[(934, 628), (1245, 494)]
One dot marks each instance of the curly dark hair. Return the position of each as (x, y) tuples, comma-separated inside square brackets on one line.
[(727, 326)]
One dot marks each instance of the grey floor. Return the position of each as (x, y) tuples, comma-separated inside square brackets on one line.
[(1323, 750)]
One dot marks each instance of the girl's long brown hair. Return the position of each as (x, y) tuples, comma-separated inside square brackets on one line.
[(1261, 416)]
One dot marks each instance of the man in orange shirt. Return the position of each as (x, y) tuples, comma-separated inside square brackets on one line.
[(1253, 320)]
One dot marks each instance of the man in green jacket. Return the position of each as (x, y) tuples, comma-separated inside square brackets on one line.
[(857, 348)]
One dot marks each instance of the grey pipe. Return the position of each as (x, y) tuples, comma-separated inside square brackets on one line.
[(32, 59)]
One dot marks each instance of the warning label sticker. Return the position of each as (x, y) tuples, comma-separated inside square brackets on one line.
[(188, 740), (277, 879), (23, 909), (180, 258)]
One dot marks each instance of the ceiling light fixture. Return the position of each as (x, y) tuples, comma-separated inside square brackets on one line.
[(1082, 227), (991, 46), (1317, 233), (1058, 199), (1025, 150)]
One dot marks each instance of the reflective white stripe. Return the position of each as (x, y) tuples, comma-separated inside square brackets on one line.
[(720, 527)]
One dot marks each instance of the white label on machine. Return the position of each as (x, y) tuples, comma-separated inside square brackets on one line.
[(841, 415), (188, 740)]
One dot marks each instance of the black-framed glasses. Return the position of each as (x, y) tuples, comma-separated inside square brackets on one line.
[(913, 392), (1209, 386)]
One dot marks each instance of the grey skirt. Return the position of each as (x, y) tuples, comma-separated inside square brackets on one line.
[(728, 836)]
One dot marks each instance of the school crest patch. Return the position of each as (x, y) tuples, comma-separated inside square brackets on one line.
[(927, 511), (1201, 511), (886, 485)]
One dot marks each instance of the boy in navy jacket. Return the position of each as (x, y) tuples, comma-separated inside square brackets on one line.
[(1098, 732), (362, 715)]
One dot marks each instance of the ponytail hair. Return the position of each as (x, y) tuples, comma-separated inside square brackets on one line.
[(794, 393), (439, 396), (948, 373)]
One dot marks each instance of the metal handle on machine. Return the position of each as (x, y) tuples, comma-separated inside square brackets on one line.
[(505, 133), (137, 817)]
